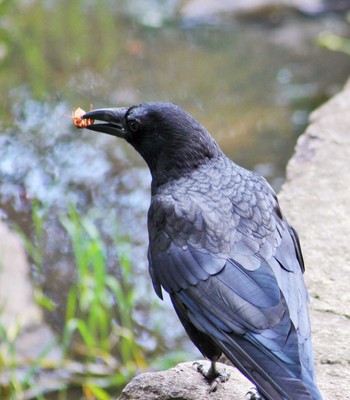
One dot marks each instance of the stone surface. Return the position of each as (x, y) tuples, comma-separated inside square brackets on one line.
[(183, 382), (198, 9), (16, 292), (18, 310), (316, 200)]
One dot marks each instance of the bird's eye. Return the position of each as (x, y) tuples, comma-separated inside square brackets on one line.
[(134, 125)]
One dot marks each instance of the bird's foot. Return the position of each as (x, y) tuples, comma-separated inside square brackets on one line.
[(213, 375), (254, 394)]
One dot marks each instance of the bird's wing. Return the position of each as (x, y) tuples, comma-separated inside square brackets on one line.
[(243, 311), (241, 299), (247, 311)]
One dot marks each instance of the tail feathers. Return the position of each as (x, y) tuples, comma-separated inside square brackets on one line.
[(309, 379), (273, 380)]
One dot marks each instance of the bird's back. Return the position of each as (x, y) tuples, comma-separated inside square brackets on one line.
[(217, 235)]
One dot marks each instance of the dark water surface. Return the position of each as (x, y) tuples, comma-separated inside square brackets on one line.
[(252, 85)]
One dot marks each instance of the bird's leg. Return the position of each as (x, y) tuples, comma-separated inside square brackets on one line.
[(212, 374), (255, 395)]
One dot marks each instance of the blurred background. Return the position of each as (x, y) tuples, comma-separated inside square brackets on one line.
[(250, 71)]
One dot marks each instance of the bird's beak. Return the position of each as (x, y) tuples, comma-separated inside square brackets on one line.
[(107, 120)]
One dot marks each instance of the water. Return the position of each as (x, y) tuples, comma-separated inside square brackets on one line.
[(251, 84)]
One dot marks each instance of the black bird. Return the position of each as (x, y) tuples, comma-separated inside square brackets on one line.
[(220, 246)]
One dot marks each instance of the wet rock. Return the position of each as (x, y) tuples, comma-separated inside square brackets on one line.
[(316, 200), (199, 10), (264, 9)]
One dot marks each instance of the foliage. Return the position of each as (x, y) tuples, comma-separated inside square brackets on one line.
[(99, 329), (15, 380), (32, 29), (97, 296), (335, 42)]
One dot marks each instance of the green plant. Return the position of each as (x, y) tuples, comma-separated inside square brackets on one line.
[(98, 330), (99, 306), (334, 42), (10, 387), (17, 378)]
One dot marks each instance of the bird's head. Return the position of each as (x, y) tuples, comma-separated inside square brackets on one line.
[(170, 140)]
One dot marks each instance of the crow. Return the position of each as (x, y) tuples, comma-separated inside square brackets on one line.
[(221, 248)]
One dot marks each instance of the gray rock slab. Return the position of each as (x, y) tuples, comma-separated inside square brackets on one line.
[(316, 200)]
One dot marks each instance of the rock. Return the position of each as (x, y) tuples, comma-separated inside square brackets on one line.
[(316, 200), (183, 382), (19, 312), (199, 10), (16, 292)]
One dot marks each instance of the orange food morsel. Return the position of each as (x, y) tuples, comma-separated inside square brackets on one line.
[(78, 121)]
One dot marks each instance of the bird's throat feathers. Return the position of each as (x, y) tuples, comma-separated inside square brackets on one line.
[(181, 154)]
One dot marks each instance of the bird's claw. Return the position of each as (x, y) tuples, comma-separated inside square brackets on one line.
[(222, 378), (214, 376), (254, 394)]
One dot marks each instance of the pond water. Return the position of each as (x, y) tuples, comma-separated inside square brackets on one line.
[(251, 83)]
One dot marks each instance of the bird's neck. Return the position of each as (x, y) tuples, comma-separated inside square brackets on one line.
[(175, 164)]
